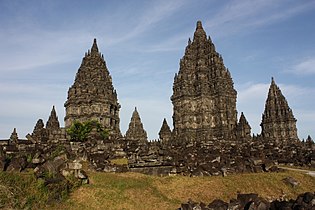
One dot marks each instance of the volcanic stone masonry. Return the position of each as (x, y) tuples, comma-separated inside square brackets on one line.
[(278, 122), (136, 130), (206, 138), (165, 133), (92, 96), (204, 99), (243, 129)]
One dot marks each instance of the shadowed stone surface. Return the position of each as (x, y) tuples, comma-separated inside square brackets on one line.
[(243, 129), (14, 136), (40, 133), (136, 130), (165, 133), (206, 139), (53, 122), (92, 96), (253, 202), (278, 122), (204, 99)]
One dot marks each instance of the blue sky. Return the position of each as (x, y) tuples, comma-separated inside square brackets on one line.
[(42, 44)]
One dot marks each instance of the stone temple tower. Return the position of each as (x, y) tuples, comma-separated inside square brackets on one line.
[(136, 131), (243, 129), (278, 122), (53, 122), (204, 99), (165, 133), (92, 96)]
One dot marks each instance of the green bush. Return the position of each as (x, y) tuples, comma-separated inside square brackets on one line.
[(80, 131), (25, 191), (29, 158)]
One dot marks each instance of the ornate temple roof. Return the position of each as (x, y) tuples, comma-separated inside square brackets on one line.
[(278, 121), (276, 107), (53, 122), (165, 133), (243, 121), (92, 95), (136, 130), (14, 136), (93, 82), (204, 98), (202, 70), (165, 129)]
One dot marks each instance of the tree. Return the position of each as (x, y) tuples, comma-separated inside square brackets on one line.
[(79, 131)]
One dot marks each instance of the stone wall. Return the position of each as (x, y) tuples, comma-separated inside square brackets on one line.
[(190, 159), (253, 201)]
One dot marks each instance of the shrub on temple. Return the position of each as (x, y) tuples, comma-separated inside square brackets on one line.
[(80, 131)]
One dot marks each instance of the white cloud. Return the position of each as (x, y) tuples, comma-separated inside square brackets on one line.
[(305, 122), (251, 91), (238, 15), (30, 45), (305, 67), (294, 91), (238, 11), (28, 51), (24, 104), (10, 88), (251, 100), (23, 112), (174, 43), (153, 14), (283, 15)]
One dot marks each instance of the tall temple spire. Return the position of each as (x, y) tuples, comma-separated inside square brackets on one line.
[(204, 98), (309, 141), (243, 129), (94, 49), (53, 122), (200, 34), (136, 131), (92, 95), (278, 122), (273, 81), (165, 133), (14, 136), (39, 133), (243, 119)]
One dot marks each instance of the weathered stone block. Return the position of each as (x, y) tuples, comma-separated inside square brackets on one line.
[(74, 165)]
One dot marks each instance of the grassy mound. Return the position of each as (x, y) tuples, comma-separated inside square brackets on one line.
[(138, 191), (25, 191)]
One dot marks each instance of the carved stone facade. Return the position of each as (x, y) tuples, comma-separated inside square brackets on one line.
[(39, 134), (136, 131), (205, 115), (54, 131), (53, 122), (14, 136), (309, 141), (204, 99), (165, 133), (278, 122), (92, 96), (243, 129)]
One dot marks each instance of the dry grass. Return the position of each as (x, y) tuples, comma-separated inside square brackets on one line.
[(119, 161), (138, 191), (25, 191)]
